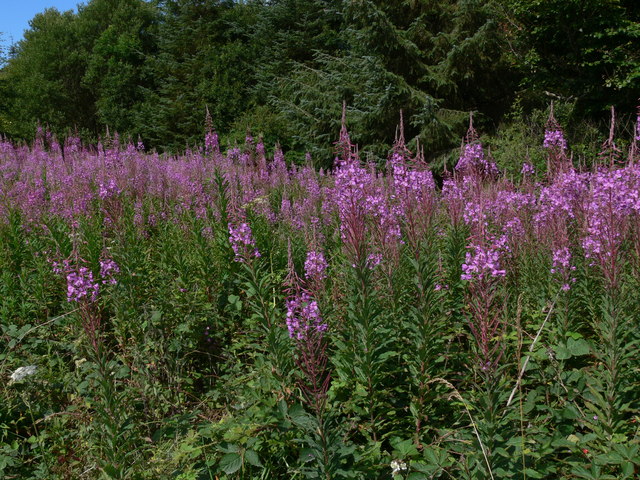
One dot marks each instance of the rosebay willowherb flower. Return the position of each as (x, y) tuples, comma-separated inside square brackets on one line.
[(373, 260), (483, 269), (556, 145), (612, 206), (303, 316), (554, 139), (472, 161), (454, 193), (108, 189), (307, 330), (413, 199), (562, 268), (350, 194), (108, 270), (471, 157), (242, 242), (315, 266), (561, 259), (386, 215), (81, 285), (527, 169), (408, 181), (211, 145), (482, 262), (563, 200)]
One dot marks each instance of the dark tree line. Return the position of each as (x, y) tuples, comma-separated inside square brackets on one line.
[(282, 68)]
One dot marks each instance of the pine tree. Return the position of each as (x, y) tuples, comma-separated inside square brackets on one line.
[(204, 60)]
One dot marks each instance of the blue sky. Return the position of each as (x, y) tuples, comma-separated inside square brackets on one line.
[(15, 15)]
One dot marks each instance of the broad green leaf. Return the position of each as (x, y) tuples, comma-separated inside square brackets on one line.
[(231, 463), (252, 458), (533, 473), (578, 347)]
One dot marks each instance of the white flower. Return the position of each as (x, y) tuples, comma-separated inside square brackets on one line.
[(397, 466), (23, 372)]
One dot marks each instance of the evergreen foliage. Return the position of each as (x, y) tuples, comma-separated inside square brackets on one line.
[(281, 69)]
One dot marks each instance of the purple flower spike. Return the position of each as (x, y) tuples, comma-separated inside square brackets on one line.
[(315, 266), (242, 242), (81, 285), (527, 169), (303, 315), (108, 270), (482, 262), (554, 139), (107, 190)]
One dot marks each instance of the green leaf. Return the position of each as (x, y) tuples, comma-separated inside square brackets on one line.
[(231, 463), (569, 413), (405, 448), (307, 455), (627, 468), (417, 476), (111, 471), (533, 474), (628, 452), (611, 458), (300, 417), (424, 468), (578, 347), (252, 458), (562, 352)]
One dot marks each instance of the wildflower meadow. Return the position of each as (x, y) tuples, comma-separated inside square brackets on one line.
[(226, 314)]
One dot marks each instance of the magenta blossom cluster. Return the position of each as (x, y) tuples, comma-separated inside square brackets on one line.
[(60, 268), (408, 180), (475, 214), (108, 189), (562, 266), (108, 270), (211, 142), (386, 216), (611, 211), (349, 193), (315, 266), (373, 260), (242, 242), (561, 259), (563, 198), (81, 284), (554, 139), (453, 196), (472, 159), (484, 261), (614, 198), (303, 316), (527, 169)]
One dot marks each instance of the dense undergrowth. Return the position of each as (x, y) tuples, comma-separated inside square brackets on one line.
[(213, 315)]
